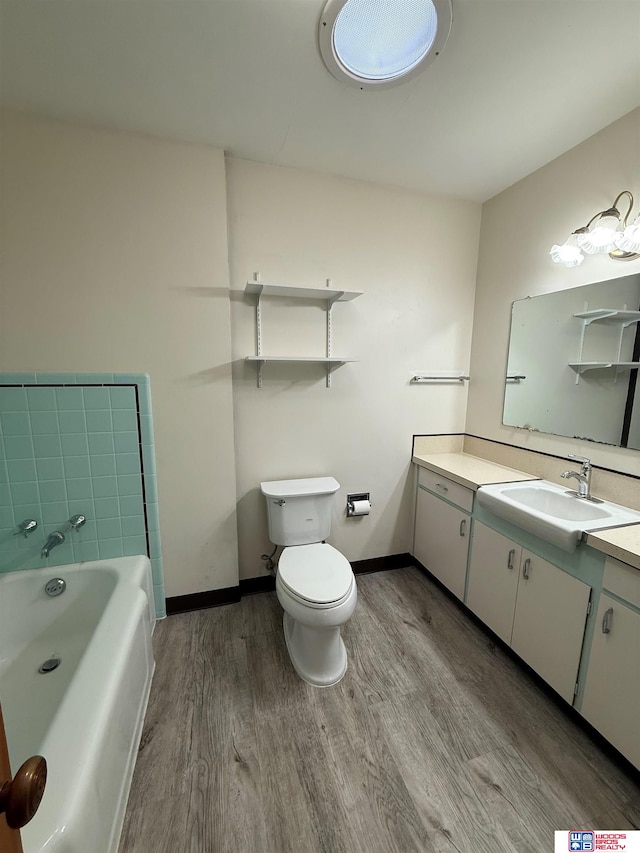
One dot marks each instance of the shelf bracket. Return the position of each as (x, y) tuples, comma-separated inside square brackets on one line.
[(330, 304), (329, 307), (329, 370), (623, 326), (256, 278), (581, 347)]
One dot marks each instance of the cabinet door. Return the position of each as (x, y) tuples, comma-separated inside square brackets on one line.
[(441, 540), (493, 579), (549, 621), (612, 692)]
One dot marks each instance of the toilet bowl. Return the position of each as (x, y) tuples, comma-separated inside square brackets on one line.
[(314, 582), (317, 590)]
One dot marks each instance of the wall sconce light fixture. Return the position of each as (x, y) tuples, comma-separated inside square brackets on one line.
[(604, 233)]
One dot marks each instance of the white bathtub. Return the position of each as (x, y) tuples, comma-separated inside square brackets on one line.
[(85, 717)]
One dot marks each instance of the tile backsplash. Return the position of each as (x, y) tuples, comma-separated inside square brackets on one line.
[(78, 444)]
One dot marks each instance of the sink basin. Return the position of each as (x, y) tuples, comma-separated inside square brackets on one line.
[(552, 512)]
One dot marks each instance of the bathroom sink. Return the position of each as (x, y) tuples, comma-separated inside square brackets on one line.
[(552, 512)]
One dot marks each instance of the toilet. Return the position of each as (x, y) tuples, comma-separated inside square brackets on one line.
[(314, 583)]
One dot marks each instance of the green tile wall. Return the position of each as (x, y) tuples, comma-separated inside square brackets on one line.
[(78, 443)]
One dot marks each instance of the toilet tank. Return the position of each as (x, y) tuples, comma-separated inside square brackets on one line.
[(299, 511)]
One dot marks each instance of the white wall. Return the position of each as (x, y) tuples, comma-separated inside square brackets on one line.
[(114, 253), (115, 259), (519, 227), (414, 256)]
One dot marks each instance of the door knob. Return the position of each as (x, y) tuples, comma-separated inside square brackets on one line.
[(21, 796)]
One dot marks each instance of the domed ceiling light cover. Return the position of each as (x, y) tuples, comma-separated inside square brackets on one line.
[(380, 43)]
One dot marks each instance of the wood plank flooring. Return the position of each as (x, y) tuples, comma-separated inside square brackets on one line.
[(435, 740)]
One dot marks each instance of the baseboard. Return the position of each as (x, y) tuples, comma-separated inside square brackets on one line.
[(267, 583), (263, 583), (382, 564), (201, 600)]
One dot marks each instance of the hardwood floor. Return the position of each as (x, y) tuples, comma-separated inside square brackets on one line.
[(435, 740)]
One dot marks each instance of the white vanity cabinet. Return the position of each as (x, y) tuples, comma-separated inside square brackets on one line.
[(441, 537), (494, 570), (535, 607), (549, 622), (612, 690)]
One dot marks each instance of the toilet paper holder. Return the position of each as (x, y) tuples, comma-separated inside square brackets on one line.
[(358, 504)]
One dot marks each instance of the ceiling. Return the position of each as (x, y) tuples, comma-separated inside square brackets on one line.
[(518, 83)]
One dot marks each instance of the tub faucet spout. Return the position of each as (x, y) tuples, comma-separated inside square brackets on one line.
[(55, 538)]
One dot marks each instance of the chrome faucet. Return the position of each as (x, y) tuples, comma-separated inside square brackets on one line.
[(57, 537), (583, 477), (53, 539)]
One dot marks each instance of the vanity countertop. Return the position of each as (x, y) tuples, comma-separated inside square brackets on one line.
[(470, 471), (623, 543)]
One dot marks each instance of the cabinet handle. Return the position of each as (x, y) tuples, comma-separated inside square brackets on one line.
[(512, 554), (525, 569), (606, 621), (463, 524), (442, 486)]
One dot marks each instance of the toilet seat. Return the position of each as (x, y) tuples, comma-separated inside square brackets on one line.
[(316, 575)]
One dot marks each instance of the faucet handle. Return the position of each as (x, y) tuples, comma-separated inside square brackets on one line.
[(584, 459), (26, 527)]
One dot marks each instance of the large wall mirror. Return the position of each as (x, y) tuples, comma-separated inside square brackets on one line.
[(573, 363)]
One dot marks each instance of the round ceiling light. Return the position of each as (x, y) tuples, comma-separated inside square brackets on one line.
[(380, 43)]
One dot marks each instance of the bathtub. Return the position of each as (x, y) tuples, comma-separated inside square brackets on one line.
[(85, 717)]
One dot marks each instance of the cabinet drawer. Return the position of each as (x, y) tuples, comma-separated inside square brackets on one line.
[(622, 580), (446, 488)]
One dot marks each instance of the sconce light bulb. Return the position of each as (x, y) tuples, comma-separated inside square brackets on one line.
[(569, 253), (606, 232), (629, 239), (602, 235)]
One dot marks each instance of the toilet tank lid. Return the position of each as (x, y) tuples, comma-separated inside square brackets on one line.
[(300, 488)]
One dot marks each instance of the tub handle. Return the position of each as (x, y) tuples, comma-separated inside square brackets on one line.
[(26, 527), (21, 796)]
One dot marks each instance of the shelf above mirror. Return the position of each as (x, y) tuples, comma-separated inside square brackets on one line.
[(582, 366), (609, 315)]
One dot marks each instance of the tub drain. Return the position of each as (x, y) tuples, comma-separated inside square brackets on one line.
[(49, 665)]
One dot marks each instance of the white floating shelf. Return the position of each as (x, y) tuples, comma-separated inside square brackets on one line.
[(609, 315), (582, 366), (329, 295), (331, 362), (334, 359), (258, 288)]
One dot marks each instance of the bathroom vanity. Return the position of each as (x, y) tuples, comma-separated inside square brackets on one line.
[(572, 615)]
